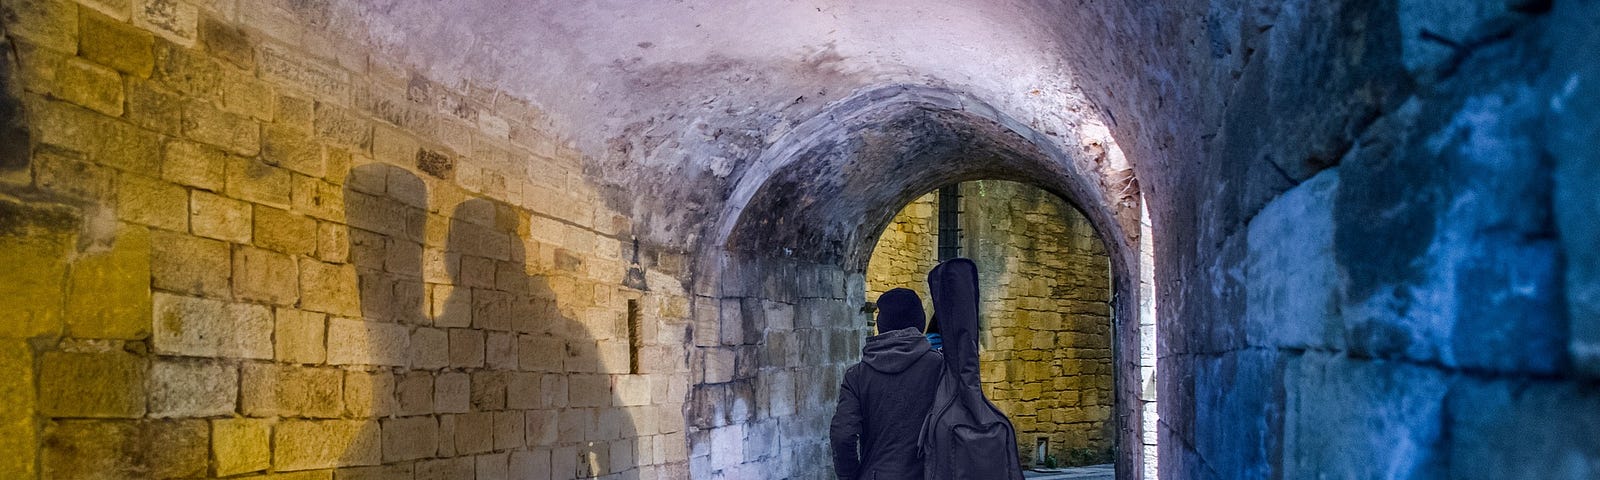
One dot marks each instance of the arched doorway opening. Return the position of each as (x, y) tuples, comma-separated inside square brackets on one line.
[(780, 278), (1045, 286)]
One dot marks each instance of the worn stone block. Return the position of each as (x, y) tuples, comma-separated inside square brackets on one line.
[(252, 180), (241, 445), (354, 342), (452, 393), (314, 444), (152, 107), (186, 71), (540, 353), (410, 438), (219, 217), (343, 127), (445, 469), (293, 150), (501, 350), (279, 65), (104, 385), (109, 292), (430, 348), (93, 86), (331, 288), (1522, 430), (152, 202), (61, 174), (333, 243), (234, 133), (244, 95), (18, 433), (414, 391), (189, 264), (264, 275), (192, 388), (200, 327), (466, 348), (173, 19), (509, 428), (285, 232), (299, 336), (589, 391), (493, 466), (280, 390), (474, 433), (49, 23), (1350, 418), (107, 141), (193, 164), (370, 394), (225, 41), (318, 199), (34, 243), (488, 390), (1294, 285), (384, 472), (93, 450), (106, 41)]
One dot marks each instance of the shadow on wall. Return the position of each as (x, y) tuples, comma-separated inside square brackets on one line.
[(467, 363)]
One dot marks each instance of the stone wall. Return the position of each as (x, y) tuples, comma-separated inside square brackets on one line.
[(907, 250), (1045, 283), (239, 244)]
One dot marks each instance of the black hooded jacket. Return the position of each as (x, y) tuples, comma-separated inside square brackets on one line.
[(882, 404)]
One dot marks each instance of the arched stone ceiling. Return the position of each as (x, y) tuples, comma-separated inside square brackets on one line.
[(672, 100)]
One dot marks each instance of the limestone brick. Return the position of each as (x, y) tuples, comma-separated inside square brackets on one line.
[(488, 390), (414, 392), (445, 469), (318, 198), (218, 217), (287, 148), (241, 445), (410, 438), (109, 292), (285, 232), (383, 472), (104, 384), (315, 444), (452, 393), (370, 394), (474, 433), (333, 243), (234, 133), (263, 275), (430, 348), (109, 42), (152, 107), (466, 348), (201, 327), (252, 180), (93, 86), (173, 19), (193, 164), (330, 288), (244, 95), (299, 336), (152, 202), (354, 342), (280, 390), (226, 42), (95, 450), (192, 388), (49, 23)]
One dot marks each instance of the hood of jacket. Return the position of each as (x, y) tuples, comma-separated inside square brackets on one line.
[(894, 351)]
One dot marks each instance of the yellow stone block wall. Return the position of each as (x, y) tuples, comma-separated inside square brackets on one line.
[(1045, 284), (249, 251), (906, 251)]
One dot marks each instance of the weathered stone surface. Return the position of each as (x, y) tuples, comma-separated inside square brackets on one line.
[(35, 244), (299, 336), (354, 342), (125, 449), (285, 232), (209, 125), (370, 394), (188, 264), (219, 217), (327, 287), (18, 433), (1494, 425), (452, 393), (103, 384), (108, 42), (109, 292), (192, 388), (1397, 404), (255, 181), (50, 23), (173, 19), (201, 327), (1293, 281), (93, 86), (265, 276), (293, 150), (314, 444), (152, 202), (277, 390), (193, 164), (241, 445), (410, 438)]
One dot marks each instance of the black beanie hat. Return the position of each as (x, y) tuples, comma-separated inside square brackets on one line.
[(899, 308)]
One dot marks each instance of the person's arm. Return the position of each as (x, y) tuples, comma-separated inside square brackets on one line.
[(845, 433)]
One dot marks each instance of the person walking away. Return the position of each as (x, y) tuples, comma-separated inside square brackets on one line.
[(885, 397)]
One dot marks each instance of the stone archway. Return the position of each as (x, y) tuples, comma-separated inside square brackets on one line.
[(780, 280)]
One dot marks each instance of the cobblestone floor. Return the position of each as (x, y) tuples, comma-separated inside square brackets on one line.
[(1093, 472)]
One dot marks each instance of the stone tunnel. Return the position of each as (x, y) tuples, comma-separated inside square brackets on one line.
[(498, 239)]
